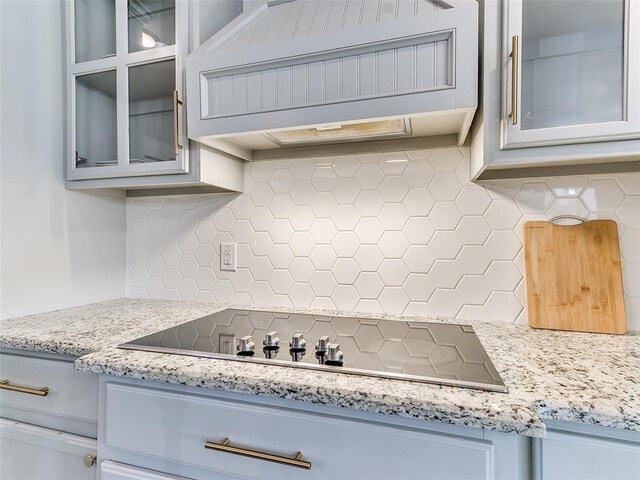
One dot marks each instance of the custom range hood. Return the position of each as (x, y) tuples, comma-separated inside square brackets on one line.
[(290, 74)]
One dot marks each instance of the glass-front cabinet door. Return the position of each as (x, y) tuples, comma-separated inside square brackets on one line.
[(125, 88), (571, 72)]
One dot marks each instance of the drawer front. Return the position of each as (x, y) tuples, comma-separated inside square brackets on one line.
[(117, 471), (175, 427), (71, 394)]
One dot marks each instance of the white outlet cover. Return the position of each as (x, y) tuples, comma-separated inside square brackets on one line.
[(228, 253)]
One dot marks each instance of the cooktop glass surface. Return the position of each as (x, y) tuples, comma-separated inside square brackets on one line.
[(440, 353)]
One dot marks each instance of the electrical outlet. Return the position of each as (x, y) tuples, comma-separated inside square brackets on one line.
[(228, 257)]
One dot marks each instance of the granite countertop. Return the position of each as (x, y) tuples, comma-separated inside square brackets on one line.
[(577, 377)]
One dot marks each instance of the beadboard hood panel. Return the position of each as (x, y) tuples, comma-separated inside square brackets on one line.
[(308, 72)]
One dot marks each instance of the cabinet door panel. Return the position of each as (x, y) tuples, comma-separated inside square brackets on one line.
[(29, 452), (573, 73)]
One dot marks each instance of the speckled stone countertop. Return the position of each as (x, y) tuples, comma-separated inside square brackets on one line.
[(576, 377)]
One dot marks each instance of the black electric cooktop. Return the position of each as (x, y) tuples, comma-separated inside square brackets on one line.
[(438, 353)]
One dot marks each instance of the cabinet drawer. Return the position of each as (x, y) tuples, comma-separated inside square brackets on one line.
[(71, 394), (174, 426), (117, 471)]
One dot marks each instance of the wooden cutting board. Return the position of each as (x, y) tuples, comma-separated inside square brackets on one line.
[(573, 277)]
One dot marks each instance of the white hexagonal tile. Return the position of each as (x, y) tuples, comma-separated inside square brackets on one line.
[(241, 207), (445, 159), (188, 289), (281, 282), (139, 232), (566, 186), (188, 220), (503, 275), (369, 176), (260, 171), (139, 207), (188, 243), (155, 221), (369, 157), (154, 265), (445, 245), (602, 196), (418, 173), (261, 219), (187, 266), (418, 202), (630, 183), (302, 218), (223, 291), (155, 243), (629, 212), (323, 230), (369, 285), (154, 288), (369, 258), (139, 276), (473, 230), (502, 189), (503, 307), (393, 272), (302, 192), (369, 230), (261, 194), (418, 258), (369, 203), (445, 216), (281, 256), (170, 277), (205, 255), (345, 217), (301, 295), (345, 244), (301, 244), (242, 231), (281, 206), (301, 269), (393, 216), (323, 257), (445, 186), (345, 191), (418, 287), (281, 181), (261, 294), (393, 244), (503, 245), (171, 254), (223, 220), (473, 200), (281, 231), (631, 279), (393, 300), (323, 204), (445, 303), (419, 309), (205, 232), (345, 271), (393, 163), (503, 215), (393, 189), (261, 268), (473, 289), (473, 259), (261, 243), (445, 273), (324, 177), (566, 206), (345, 297), (171, 231), (630, 246), (346, 166), (474, 313), (533, 197), (242, 280), (302, 169), (323, 283), (205, 278), (418, 230)]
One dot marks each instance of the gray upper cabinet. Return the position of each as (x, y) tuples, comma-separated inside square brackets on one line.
[(127, 124), (561, 87)]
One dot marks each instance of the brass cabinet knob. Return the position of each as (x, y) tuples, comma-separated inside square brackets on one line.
[(89, 460)]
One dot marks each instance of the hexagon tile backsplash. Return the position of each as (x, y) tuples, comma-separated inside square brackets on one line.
[(403, 233)]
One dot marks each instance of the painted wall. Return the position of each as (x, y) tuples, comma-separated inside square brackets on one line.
[(57, 248), (400, 233)]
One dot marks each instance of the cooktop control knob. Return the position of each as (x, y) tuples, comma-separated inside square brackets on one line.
[(245, 346), (271, 345), (297, 347), (334, 355), (321, 348)]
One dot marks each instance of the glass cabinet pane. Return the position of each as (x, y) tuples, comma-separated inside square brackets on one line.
[(95, 29), (152, 24), (151, 114), (572, 62), (96, 133)]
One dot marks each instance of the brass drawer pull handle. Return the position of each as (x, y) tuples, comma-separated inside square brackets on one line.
[(225, 446), (176, 128), (514, 80), (42, 392)]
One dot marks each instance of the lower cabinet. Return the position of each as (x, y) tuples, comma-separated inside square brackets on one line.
[(117, 471), (571, 452), (218, 436), (31, 453)]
